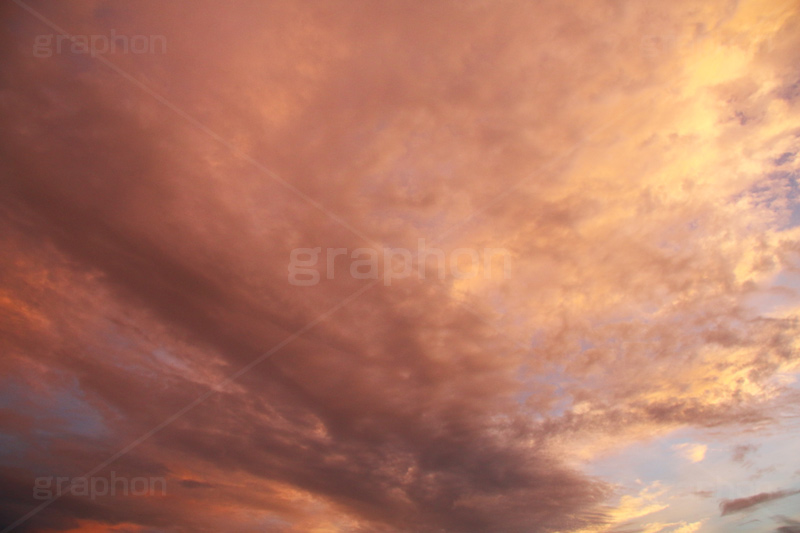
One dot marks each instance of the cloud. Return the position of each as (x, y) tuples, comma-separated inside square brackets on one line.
[(630, 158), (741, 451), (689, 528), (745, 504), (791, 526), (630, 507), (677, 527), (692, 451)]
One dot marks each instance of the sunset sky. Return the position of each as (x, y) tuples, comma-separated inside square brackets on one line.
[(626, 362)]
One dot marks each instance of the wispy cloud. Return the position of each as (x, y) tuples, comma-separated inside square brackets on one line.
[(747, 503)]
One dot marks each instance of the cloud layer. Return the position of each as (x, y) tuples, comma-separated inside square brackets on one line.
[(636, 162)]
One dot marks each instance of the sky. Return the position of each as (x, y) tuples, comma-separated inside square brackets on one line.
[(417, 267)]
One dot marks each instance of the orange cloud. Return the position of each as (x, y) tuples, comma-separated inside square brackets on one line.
[(638, 163)]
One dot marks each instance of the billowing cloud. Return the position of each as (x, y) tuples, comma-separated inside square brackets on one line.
[(636, 164)]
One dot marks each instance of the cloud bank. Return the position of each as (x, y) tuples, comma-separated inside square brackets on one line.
[(637, 161)]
